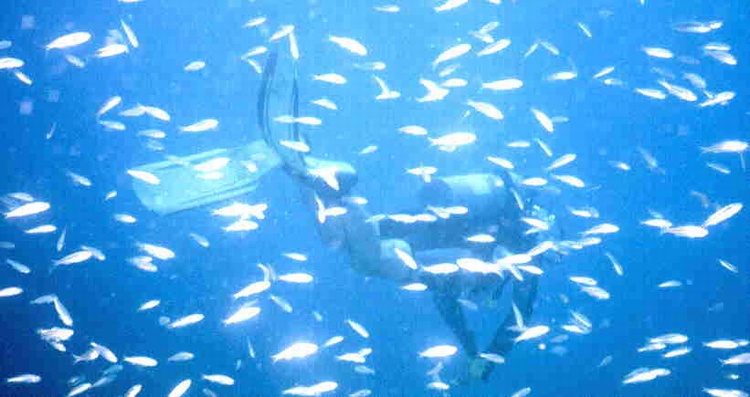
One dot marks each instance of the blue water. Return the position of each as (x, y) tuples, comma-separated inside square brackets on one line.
[(606, 123)]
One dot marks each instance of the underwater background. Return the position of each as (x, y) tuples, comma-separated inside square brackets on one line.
[(51, 135)]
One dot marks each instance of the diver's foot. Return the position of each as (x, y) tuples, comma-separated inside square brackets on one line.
[(479, 368), (476, 369)]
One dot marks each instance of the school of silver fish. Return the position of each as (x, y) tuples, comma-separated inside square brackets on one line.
[(674, 81)]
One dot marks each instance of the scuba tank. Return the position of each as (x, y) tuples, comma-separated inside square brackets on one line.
[(484, 195)]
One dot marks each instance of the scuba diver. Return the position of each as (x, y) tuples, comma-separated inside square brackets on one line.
[(467, 232), (453, 208)]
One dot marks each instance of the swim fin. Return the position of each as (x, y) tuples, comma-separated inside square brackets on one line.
[(204, 178)]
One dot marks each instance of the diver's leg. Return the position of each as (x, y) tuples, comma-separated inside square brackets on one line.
[(445, 296), (524, 295)]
